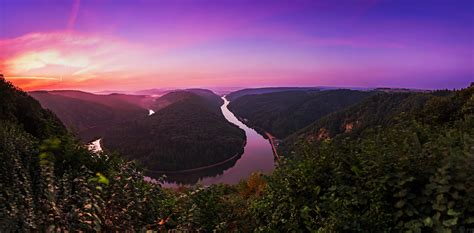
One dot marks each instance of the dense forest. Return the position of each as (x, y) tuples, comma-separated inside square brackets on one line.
[(378, 109), (189, 133), (284, 113), (410, 172)]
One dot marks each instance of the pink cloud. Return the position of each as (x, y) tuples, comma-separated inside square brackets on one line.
[(67, 56)]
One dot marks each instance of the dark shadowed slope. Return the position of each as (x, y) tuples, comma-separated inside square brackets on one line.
[(283, 113), (19, 108), (190, 132)]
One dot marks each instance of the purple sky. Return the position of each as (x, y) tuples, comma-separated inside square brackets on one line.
[(128, 45)]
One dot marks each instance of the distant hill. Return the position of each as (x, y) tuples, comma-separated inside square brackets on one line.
[(387, 89), (254, 91), (189, 131), (114, 100), (153, 92), (284, 113), (178, 95), (89, 114)]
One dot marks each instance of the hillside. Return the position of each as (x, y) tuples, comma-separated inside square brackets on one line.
[(189, 132), (20, 109), (178, 95), (113, 100), (88, 114), (283, 113), (265, 90), (377, 110)]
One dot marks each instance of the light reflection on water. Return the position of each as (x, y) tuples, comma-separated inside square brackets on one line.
[(257, 156)]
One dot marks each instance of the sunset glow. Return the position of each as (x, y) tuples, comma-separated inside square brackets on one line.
[(130, 45)]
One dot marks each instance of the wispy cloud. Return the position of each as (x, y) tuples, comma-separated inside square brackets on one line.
[(73, 16)]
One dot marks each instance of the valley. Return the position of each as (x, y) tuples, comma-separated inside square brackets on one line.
[(177, 134), (191, 136), (180, 114), (388, 153)]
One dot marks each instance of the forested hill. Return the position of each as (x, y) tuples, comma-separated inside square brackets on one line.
[(88, 114), (189, 132), (284, 113), (378, 109), (178, 95), (211, 98), (265, 90)]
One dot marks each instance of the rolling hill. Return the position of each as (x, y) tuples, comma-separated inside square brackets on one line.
[(265, 90)]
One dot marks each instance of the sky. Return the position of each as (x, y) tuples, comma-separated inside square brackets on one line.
[(98, 45)]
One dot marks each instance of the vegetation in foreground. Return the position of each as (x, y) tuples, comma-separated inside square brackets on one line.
[(412, 174)]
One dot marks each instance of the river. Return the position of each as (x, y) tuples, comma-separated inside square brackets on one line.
[(257, 156)]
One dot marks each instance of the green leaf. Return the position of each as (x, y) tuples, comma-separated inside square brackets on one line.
[(451, 212), (102, 179), (428, 222), (355, 170), (44, 155), (450, 222)]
